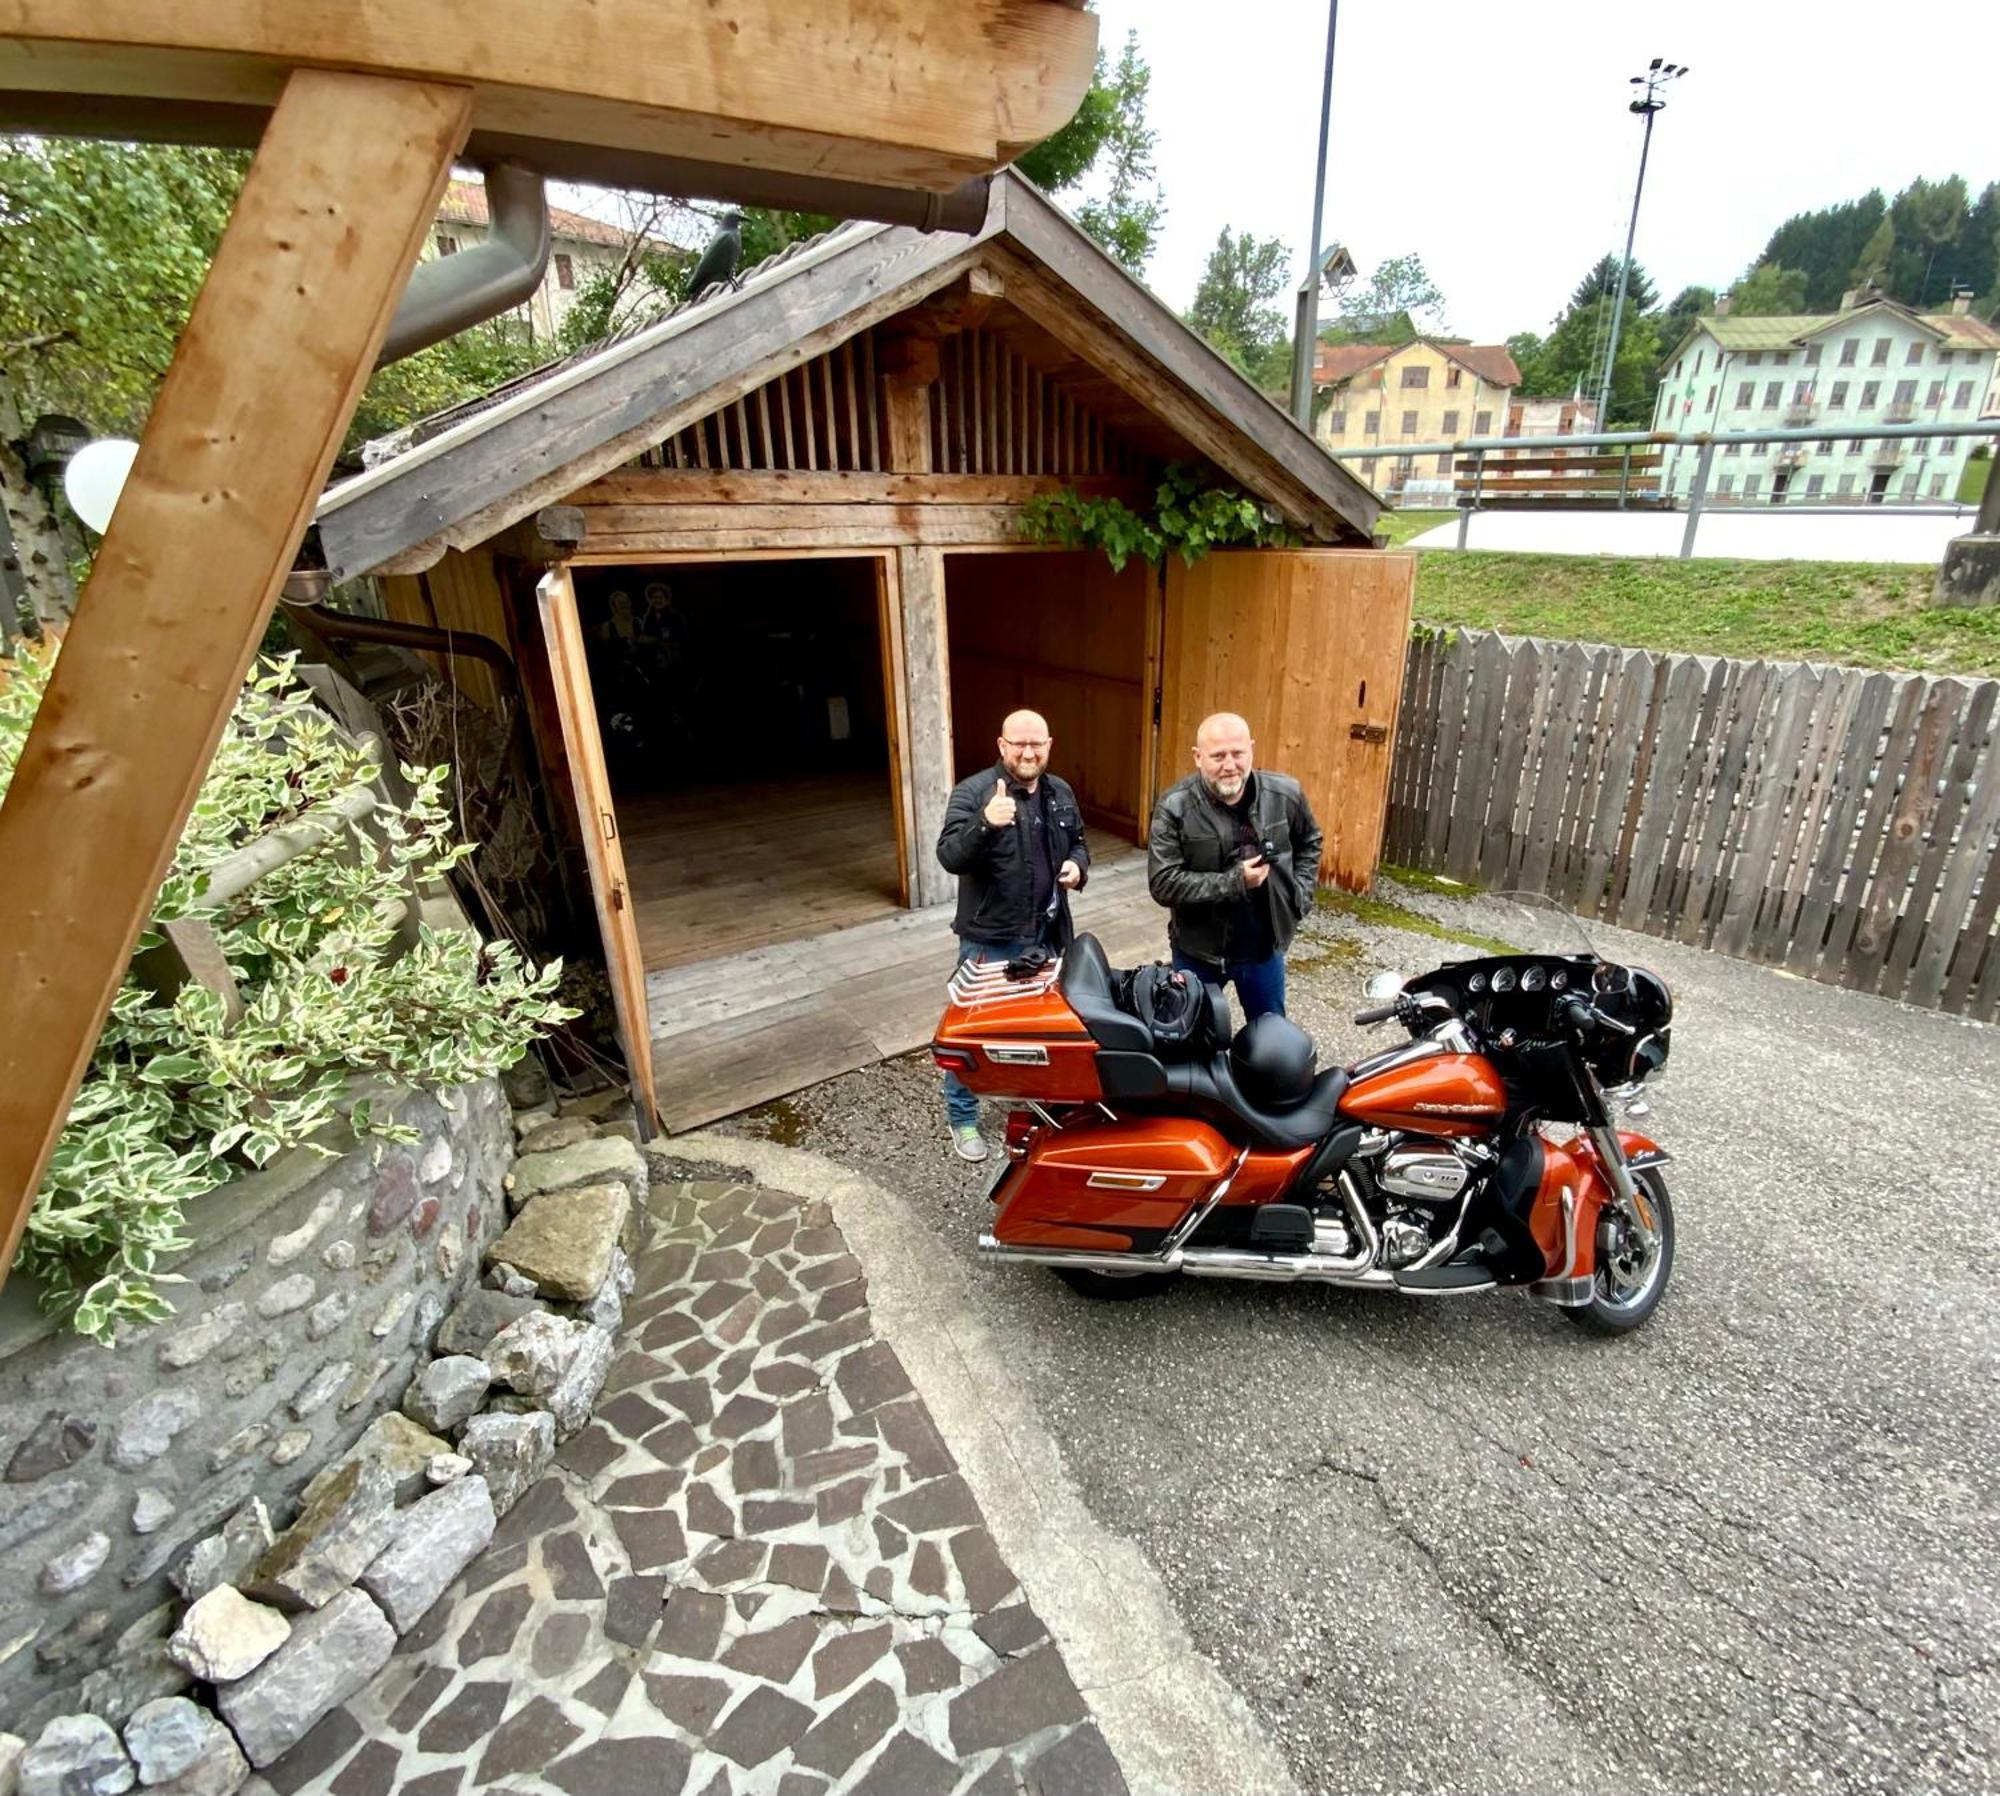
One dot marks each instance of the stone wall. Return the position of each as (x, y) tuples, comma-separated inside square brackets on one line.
[(312, 1294)]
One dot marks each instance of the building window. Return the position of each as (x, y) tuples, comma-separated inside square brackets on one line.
[(1849, 349), (1812, 355), (1746, 394), (1935, 396), (1409, 424), (1909, 486), (565, 272), (1698, 354), (1853, 445), (447, 246), (1963, 397), (1751, 484), (1815, 485), (1416, 377), (1906, 392), (1947, 445), (1839, 395), (1336, 424), (1915, 358), (1444, 464), (1920, 446), (1826, 445), (1773, 391), (1802, 392), (1845, 485), (1451, 424), (1760, 448), (1371, 425), (1878, 357), (1405, 466), (1482, 423), (1753, 358), (1452, 376), (1937, 486), (1732, 448), (1871, 390), (1781, 358), (1711, 400), (1726, 485)]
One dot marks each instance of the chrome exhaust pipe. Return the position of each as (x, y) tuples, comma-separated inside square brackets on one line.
[(1080, 1259)]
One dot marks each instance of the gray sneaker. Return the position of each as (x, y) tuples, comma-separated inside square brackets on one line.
[(967, 1142)]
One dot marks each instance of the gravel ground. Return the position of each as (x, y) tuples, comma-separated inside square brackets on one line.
[(1462, 1546)]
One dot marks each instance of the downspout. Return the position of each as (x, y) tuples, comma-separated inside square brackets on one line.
[(453, 293)]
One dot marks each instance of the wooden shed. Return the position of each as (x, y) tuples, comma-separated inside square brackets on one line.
[(758, 571)]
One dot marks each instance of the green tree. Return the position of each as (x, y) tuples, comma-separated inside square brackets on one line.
[(1678, 316), (1399, 300), (460, 368), (1110, 139), (1235, 306), (103, 248), (1602, 283), (1571, 359), (1825, 245), (1768, 290)]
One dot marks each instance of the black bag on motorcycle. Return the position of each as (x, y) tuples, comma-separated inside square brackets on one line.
[(1174, 1007)]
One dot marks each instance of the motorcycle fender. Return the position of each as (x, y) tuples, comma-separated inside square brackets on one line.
[(1564, 1216), (1641, 1151)]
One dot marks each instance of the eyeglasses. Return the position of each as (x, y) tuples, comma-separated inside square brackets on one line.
[(1009, 742)]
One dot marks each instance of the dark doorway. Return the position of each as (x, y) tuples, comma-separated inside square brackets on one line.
[(742, 709)]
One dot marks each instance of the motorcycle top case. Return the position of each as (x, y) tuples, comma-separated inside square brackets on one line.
[(1016, 1038), (1110, 1186)]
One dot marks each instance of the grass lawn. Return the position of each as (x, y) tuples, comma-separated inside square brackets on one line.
[(1400, 526), (1858, 613), (1972, 483)]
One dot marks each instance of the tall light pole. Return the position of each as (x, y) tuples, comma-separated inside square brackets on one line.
[(1305, 342), (1655, 78)]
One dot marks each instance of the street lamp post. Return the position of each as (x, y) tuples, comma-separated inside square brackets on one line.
[(1305, 339), (1656, 77)]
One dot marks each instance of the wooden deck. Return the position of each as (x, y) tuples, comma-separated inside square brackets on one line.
[(749, 1027), (723, 869)]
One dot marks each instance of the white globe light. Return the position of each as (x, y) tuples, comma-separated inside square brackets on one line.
[(96, 476)]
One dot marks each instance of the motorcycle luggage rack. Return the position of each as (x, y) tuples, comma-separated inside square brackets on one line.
[(986, 982)]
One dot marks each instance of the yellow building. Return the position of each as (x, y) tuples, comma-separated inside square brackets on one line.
[(1376, 395)]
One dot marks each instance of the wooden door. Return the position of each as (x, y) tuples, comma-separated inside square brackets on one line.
[(1308, 645), (584, 749)]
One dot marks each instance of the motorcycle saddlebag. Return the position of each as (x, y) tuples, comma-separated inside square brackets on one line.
[(1110, 1186)]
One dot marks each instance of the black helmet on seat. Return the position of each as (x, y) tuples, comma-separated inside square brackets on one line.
[(1273, 1061)]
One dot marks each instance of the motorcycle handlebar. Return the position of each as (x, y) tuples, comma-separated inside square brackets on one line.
[(1582, 1015), (1379, 1015)]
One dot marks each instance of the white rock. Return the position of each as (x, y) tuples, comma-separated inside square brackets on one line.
[(509, 1451), (151, 1509), (447, 1391), (330, 1655), (226, 1635), (530, 1355), (286, 1248), (76, 1565), (76, 1755), (442, 1468), (575, 1394), (434, 1543)]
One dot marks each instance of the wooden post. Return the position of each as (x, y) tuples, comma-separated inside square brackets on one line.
[(920, 597), (283, 336)]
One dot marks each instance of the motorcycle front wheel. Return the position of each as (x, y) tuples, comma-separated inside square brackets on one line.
[(1630, 1281)]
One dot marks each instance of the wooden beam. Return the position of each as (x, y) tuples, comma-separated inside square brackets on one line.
[(325, 231), (552, 535), (930, 92), (906, 407), (662, 487), (920, 598), (617, 531)]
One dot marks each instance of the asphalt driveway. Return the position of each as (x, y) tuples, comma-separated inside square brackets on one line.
[(1463, 1546)]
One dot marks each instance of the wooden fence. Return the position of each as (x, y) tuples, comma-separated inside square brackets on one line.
[(1834, 821)]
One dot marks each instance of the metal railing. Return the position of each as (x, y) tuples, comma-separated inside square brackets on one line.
[(1477, 449)]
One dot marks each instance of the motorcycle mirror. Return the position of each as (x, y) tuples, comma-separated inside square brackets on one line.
[(1382, 987), (1610, 978)]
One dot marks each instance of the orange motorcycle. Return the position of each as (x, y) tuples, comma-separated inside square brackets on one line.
[(1480, 1154)]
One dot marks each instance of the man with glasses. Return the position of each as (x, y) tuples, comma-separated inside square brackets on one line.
[(1014, 836), (1233, 853)]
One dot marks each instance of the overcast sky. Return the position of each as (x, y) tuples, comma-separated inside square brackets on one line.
[(1493, 140)]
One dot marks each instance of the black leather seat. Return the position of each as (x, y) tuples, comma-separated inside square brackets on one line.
[(1086, 985), (1210, 1088)]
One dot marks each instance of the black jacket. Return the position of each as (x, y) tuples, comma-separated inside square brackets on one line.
[(1191, 864), (995, 883)]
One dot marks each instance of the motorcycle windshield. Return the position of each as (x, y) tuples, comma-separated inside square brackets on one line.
[(1545, 926)]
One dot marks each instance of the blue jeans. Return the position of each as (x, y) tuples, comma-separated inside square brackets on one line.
[(960, 1105), (1260, 984)]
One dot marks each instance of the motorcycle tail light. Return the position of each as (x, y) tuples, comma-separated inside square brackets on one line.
[(953, 1060)]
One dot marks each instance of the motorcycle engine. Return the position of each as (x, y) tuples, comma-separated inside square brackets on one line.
[(1425, 1175), (1406, 1237)]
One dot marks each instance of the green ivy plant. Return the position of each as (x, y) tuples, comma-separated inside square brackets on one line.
[(177, 1099), (1186, 515)]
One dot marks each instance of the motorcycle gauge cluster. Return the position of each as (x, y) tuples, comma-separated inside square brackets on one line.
[(1533, 979), (1476, 984), (1503, 980)]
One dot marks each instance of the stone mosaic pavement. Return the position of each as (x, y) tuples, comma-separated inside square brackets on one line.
[(757, 1569)]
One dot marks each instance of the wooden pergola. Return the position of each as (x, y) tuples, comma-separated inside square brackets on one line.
[(358, 109)]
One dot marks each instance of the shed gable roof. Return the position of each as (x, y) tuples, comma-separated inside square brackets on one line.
[(502, 458)]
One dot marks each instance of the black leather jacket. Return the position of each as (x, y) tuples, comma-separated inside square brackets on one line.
[(995, 885), (1191, 864)]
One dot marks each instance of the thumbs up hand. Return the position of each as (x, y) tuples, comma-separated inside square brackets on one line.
[(999, 810)]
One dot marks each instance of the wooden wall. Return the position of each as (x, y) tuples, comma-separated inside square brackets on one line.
[(1064, 635), (1308, 646), (462, 592)]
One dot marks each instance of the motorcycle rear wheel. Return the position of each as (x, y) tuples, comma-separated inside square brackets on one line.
[(1625, 1291), (1113, 1287)]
